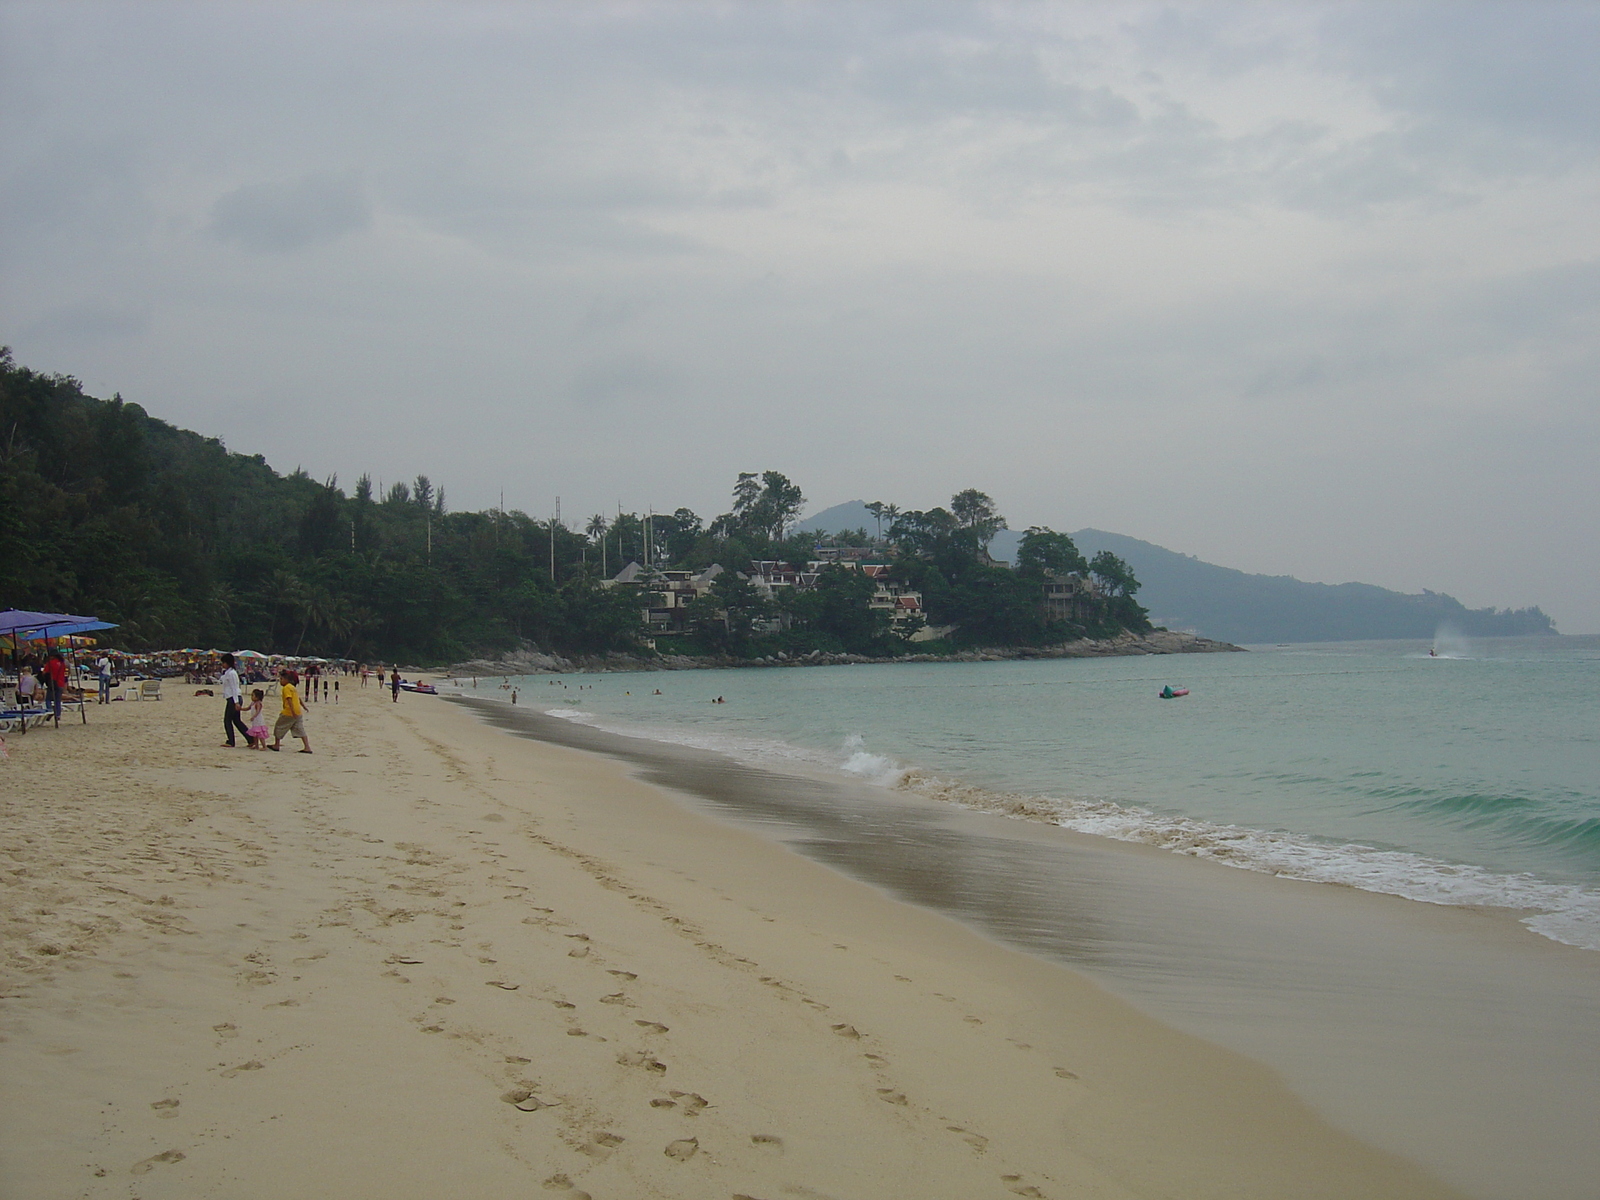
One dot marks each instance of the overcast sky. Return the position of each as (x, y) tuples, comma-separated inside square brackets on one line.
[(1306, 289)]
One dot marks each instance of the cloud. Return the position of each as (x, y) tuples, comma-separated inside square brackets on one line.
[(1054, 250), (91, 320), (281, 218)]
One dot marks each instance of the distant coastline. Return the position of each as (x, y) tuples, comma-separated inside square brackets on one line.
[(535, 662)]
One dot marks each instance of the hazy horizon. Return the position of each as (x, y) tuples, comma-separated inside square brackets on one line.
[(1301, 289)]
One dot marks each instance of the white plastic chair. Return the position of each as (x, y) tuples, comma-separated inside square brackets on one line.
[(149, 689)]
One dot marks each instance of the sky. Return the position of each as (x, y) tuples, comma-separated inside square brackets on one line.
[(1307, 289)]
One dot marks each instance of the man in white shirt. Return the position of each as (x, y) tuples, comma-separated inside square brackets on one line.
[(232, 698), (102, 668)]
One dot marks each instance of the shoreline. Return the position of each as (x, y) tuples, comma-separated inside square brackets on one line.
[(1161, 641), (1386, 990), (434, 959)]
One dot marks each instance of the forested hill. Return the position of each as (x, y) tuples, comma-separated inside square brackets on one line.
[(1182, 592), (107, 510)]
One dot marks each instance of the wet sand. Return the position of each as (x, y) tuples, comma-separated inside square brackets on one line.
[(432, 959), (1455, 1037)]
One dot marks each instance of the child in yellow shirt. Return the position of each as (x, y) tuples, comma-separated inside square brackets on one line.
[(292, 719)]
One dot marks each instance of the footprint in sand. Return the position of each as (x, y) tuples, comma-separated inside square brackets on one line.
[(641, 1058), (692, 1102), (683, 1149), (517, 1058), (1063, 1073), (560, 1183), (578, 952), (652, 1026), (227, 1029), (1017, 1188), (503, 985), (767, 1141), (524, 1100), (165, 1108), (602, 1144), (890, 1096), (563, 1004), (623, 974), (614, 998), (166, 1156), (846, 1031), (252, 1065), (976, 1140), (662, 1103)]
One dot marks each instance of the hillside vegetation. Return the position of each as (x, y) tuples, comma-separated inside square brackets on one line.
[(106, 510)]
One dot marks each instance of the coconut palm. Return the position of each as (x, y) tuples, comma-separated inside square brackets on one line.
[(596, 528)]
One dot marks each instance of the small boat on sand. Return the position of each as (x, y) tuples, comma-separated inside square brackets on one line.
[(1171, 693), (426, 689)]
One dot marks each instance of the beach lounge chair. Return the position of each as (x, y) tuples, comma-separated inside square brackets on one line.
[(149, 689)]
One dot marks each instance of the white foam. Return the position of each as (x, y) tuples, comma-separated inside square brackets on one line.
[(1561, 912), (1566, 912), (874, 768)]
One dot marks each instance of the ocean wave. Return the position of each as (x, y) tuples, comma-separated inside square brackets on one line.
[(1564, 913)]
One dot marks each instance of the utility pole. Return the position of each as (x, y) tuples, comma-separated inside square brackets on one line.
[(554, 521)]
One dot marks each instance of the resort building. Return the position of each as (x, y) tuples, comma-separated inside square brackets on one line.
[(1068, 597)]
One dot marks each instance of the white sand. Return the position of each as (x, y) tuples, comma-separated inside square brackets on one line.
[(435, 960)]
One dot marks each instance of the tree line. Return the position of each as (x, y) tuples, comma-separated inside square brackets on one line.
[(182, 542)]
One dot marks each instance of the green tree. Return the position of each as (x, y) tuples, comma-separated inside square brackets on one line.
[(975, 511), (1114, 576), (1044, 550)]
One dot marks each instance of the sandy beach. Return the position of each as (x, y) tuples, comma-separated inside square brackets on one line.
[(433, 959)]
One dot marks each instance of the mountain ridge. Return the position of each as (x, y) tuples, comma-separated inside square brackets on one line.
[(1188, 593)]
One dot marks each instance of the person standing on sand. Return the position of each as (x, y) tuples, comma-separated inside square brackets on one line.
[(293, 717), (232, 701), (55, 682), (103, 669), (394, 686)]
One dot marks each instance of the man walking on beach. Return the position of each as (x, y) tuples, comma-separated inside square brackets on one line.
[(232, 700), (55, 682), (394, 686), (293, 717)]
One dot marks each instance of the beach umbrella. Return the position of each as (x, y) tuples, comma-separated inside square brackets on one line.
[(67, 630), (18, 620)]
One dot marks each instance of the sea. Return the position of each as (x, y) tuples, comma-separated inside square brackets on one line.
[(1454, 772)]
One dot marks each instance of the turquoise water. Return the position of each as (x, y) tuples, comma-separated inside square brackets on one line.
[(1471, 778)]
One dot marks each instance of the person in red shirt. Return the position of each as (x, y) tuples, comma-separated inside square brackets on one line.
[(55, 682)]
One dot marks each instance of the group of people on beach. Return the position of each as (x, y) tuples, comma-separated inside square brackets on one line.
[(291, 714), (47, 681)]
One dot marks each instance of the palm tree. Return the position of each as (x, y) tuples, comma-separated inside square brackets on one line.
[(597, 529), (890, 513), (876, 509)]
